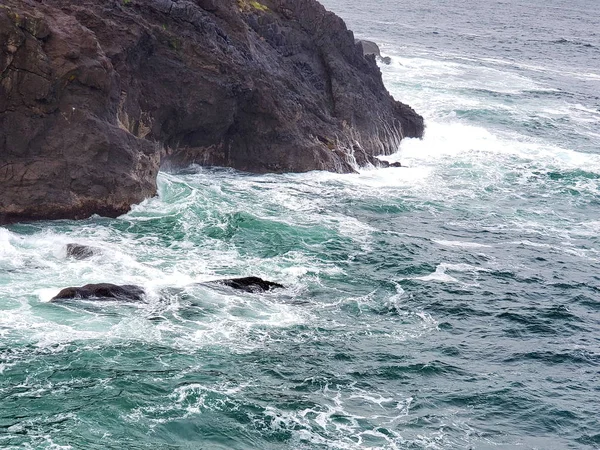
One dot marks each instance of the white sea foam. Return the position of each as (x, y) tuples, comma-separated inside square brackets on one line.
[(477, 145), (435, 73), (44, 252), (439, 98), (441, 275), (461, 244)]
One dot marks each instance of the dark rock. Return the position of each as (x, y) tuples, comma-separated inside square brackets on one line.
[(95, 94), (132, 293), (389, 164), (368, 47), (62, 153), (248, 284), (102, 292), (78, 251), (371, 48)]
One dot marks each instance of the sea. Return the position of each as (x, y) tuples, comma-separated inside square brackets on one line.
[(453, 303)]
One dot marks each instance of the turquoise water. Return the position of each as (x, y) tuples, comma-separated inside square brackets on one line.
[(453, 303)]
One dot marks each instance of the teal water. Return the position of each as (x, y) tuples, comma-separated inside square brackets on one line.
[(453, 303)]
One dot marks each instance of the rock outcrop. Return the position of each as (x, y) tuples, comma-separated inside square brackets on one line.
[(96, 94), (371, 48), (81, 252), (368, 47)]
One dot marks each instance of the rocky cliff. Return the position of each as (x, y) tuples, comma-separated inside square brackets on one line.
[(96, 95)]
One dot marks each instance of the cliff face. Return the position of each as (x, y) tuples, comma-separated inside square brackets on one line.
[(96, 94), (62, 153)]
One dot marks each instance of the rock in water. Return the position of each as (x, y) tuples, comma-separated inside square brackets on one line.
[(78, 251), (132, 293), (389, 164), (103, 292), (95, 94), (249, 284)]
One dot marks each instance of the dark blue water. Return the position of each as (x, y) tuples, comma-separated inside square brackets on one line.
[(454, 303)]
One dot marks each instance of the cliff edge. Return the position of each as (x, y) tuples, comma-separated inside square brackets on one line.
[(97, 95)]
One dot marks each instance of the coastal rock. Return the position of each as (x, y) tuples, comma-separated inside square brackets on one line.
[(389, 164), (132, 293), (96, 94), (248, 284), (81, 252), (368, 47), (371, 48), (62, 153), (102, 292)]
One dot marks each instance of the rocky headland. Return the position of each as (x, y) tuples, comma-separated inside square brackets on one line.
[(97, 95)]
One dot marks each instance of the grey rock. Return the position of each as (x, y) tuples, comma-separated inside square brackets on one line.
[(80, 252), (368, 47)]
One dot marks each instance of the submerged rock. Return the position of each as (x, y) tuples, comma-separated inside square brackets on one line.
[(389, 164), (96, 94), (102, 292), (248, 284), (80, 252), (132, 293)]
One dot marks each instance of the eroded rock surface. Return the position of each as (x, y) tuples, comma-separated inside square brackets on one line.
[(62, 153), (368, 47), (96, 94)]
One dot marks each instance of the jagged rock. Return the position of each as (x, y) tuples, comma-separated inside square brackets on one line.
[(78, 251), (368, 47), (248, 284), (62, 153), (102, 292), (95, 94), (371, 48)]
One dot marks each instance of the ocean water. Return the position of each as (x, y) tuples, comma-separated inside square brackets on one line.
[(450, 304)]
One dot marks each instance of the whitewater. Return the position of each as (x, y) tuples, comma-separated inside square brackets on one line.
[(450, 303)]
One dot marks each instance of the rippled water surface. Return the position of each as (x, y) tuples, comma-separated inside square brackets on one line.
[(452, 303)]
